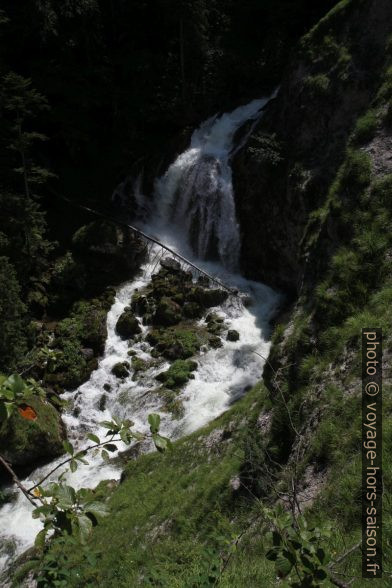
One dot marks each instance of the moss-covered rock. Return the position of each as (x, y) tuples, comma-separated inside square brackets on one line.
[(85, 329), (208, 297), (178, 373), (215, 341), (177, 343), (127, 325), (140, 304), (192, 310), (25, 442), (121, 370), (168, 312), (233, 335), (139, 365)]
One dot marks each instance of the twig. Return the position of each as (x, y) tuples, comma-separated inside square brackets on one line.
[(102, 444), (17, 481)]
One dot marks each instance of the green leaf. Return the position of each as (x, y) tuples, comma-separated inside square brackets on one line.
[(322, 556), (276, 538), (154, 421), (126, 436), (127, 423), (105, 455), (98, 509), (73, 466), (66, 496), (111, 447), (68, 447), (40, 539), (85, 527), (108, 424), (9, 407), (272, 553), (161, 443), (283, 566), (16, 383), (7, 394), (93, 438)]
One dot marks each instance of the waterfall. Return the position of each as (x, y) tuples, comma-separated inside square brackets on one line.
[(194, 213), (195, 196)]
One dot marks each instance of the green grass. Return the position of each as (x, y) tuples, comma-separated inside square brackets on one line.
[(365, 128), (174, 514)]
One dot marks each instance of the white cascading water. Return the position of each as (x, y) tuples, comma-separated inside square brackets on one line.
[(195, 215)]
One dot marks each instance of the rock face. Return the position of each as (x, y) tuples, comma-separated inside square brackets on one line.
[(127, 325), (292, 157), (24, 442)]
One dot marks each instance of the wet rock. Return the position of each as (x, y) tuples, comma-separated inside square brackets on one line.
[(25, 443), (139, 304), (192, 310), (215, 342), (203, 281), (139, 365), (121, 370), (127, 325), (209, 298), (171, 264), (102, 402), (233, 335), (176, 343), (107, 387), (178, 373)]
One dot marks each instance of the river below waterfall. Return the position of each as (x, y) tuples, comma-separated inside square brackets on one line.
[(193, 211)]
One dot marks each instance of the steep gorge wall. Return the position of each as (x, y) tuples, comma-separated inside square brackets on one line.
[(292, 157)]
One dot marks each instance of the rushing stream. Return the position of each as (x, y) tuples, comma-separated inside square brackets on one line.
[(193, 211)]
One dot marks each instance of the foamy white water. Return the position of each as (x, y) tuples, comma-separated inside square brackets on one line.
[(195, 215)]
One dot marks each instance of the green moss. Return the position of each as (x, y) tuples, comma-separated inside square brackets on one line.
[(85, 328), (121, 370), (139, 365), (24, 442), (318, 85), (177, 343), (366, 127), (168, 312), (178, 373)]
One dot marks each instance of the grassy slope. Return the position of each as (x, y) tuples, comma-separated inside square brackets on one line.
[(175, 513)]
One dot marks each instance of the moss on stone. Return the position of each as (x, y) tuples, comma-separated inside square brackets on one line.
[(120, 370), (139, 365), (168, 312), (24, 442), (178, 373), (177, 343)]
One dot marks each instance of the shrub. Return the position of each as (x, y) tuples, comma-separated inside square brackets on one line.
[(365, 128)]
